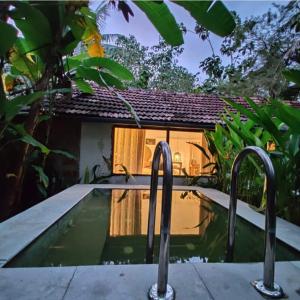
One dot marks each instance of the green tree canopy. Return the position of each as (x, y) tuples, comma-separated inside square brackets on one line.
[(154, 68), (258, 50)]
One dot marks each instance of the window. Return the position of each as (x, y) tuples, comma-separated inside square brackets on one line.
[(134, 149), (187, 156)]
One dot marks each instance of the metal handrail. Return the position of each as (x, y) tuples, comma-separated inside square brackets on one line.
[(161, 289), (267, 286)]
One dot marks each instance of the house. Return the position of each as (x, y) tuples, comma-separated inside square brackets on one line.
[(100, 126)]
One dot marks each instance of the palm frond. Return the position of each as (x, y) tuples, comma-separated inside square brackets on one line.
[(111, 37), (202, 149), (102, 12)]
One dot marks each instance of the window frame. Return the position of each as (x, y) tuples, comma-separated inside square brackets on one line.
[(167, 129)]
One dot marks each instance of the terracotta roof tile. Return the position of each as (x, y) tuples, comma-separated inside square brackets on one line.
[(156, 106)]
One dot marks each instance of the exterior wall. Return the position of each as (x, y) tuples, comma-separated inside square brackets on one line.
[(96, 141)]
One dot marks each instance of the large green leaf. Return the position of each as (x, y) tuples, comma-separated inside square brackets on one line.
[(163, 20), (111, 80), (213, 15), (243, 110), (115, 68), (259, 116), (89, 74), (64, 153), (43, 178), (34, 26), (75, 22), (287, 114), (13, 106), (266, 121), (201, 149), (292, 75), (68, 43), (8, 35), (28, 139), (84, 86), (101, 78), (218, 137), (71, 63), (128, 106), (55, 12), (236, 129), (294, 143), (22, 63)]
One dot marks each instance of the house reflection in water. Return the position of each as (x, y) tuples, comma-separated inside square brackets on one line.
[(129, 213)]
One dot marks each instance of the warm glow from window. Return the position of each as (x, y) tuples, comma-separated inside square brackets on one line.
[(134, 149), (271, 146), (187, 212), (187, 156)]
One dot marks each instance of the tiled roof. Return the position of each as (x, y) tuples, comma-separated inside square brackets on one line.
[(150, 106)]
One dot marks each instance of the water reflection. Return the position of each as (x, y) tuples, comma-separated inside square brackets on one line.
[(129, 213)]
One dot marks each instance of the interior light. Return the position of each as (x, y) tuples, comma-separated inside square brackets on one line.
[(177, 157)]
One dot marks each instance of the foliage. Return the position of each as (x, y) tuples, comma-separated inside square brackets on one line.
[(154, 68), (279, 121), (204, 12), (223, 145), (97, 174), (34, 68), (161, 17), (258, 50), (292, 75), (274, 124)]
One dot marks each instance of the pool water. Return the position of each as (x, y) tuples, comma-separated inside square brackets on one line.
[(110, 226)]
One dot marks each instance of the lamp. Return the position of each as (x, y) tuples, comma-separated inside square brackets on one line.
[(177, 157)]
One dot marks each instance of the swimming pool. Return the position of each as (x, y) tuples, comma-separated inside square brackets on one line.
[(109, 227)]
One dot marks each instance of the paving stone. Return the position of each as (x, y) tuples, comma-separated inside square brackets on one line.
[(133, 282), (232, 281), (225, 281), (34, 283), (213, 281)]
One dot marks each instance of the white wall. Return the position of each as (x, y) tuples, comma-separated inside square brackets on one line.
[(94, 143)]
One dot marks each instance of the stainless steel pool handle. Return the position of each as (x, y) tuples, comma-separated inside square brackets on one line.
[(161, 289), (267, 286)]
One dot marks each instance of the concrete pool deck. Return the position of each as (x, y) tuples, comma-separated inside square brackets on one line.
[(191, 281)]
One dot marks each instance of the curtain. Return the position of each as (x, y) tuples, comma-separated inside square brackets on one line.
[(129, 149)]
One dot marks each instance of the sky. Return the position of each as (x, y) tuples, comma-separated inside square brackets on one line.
[(195, 49)]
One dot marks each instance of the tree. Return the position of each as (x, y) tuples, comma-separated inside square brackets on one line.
[(259, 49), (153, 68), (36, 62)]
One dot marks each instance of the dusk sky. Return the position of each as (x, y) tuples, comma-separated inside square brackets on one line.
[(195, 49)]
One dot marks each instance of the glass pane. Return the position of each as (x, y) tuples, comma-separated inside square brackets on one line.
[(187, 156), (134, 148)]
